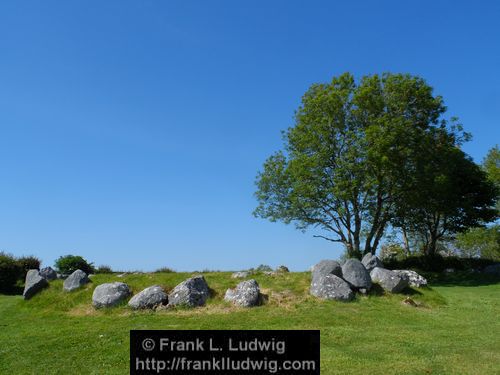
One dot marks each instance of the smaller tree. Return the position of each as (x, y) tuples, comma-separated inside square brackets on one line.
[(491, 165), (480, 243), (68, 264)]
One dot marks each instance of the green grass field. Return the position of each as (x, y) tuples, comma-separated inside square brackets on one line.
[(455, 330)]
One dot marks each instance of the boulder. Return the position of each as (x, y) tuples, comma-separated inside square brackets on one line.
[(246, 294), (331, 287), (191, 292), (413, 278), (76, 280), (492, 269), (240, 275), (356, 274), (282, 269), (371, 261), (389, 280), (149, 298), (33, 284), (110, 294), (48, 273), (326, 267)]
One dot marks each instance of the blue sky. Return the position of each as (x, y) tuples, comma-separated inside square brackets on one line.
[(132, 131)]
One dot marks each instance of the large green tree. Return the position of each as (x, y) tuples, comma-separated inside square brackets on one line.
[(345, 161), (448, 194)]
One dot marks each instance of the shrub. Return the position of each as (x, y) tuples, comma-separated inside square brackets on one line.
[(68, 264), (28, 263), (437, 263), (103, 269), (164, 269), (263, 268), (10, 272)]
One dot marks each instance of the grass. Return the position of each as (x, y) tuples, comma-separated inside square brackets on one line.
[(455, 330)]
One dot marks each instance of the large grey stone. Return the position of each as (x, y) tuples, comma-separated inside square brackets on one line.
[(356, 274), (149, 298), (33, 284), (191, 292), (389, 280), (371, 261), (413, 278), (76, 280), (246, 294), (331, 287), (110, 294), (492, 269), (48, 273), (326, 267)]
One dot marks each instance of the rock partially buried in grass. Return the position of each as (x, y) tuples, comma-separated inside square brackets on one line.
[(191, 292), (413, 278), (76, 280), (110, 294), (371, 261), (33, 284), (390, 281), (240, 275), (282, 269), (331, 287), (356, 274), (48, 273), (149, 298), (326, 267), (246, 294)]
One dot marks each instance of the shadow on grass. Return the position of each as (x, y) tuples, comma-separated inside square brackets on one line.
[(462, 278)]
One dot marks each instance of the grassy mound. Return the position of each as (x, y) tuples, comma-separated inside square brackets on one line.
[(453, 330)]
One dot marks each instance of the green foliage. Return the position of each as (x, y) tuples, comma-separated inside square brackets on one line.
[(436, 263), (10, 272), (68, 264), (392, 251), (164, 270), (28, 263), (480, 243), (103, 269), (346, 162), (491, 165)]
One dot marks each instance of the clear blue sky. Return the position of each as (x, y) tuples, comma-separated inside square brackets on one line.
[(132, 131)]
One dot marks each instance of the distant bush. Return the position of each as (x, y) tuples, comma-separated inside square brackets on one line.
[(103, 269), (164, 270), (263, 268), (437, 263), (28, 263), (10, 272), (68, 264)]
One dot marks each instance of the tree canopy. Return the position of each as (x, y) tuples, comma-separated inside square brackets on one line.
[(354, 156)]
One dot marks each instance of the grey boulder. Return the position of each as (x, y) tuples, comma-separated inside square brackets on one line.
[(110, 294), (326, 267), (191, 292), (389, 280), (331, 287), (149, 298), (356, 274), (282, 269), (240, 275), (246, 294), (76, 280), (48, 273), (413, 278), (371, 261), (33, 284)]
